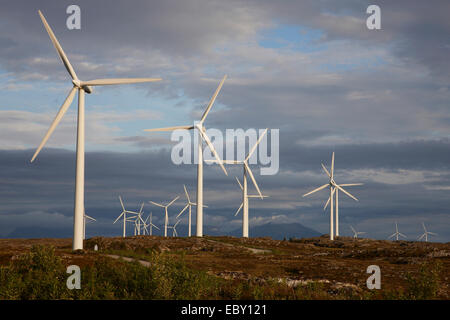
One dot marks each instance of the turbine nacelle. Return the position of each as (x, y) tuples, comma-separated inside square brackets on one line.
[(79, 84)]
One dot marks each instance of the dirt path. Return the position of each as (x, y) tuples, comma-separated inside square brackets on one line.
[(142, 262), (252, 250)]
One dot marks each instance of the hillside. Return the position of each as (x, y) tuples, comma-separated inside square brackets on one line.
[(315, 268)]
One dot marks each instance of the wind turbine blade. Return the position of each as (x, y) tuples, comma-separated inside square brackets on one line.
[(157, 204), (326, 204), (187, 194), (392, 235), (90, 218), (421, 237), (58, 47), (402, 234), (211, 147), (121, 202), (106, 82), (318, 189), (223, 161), (351, 227), (176, 223), (347, 193), (432, 233), (240, 207), (195, 204), (119, 217), (184, 209), (253, 179), (172, 201), (56, 121), (213, 98), (155, 226), (170, 128), (326, 171), (351, 184), (256, 144), (240, 185), (332, 165)]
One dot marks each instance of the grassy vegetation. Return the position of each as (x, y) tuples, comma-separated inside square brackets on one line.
[(426, 284), (41, 274)]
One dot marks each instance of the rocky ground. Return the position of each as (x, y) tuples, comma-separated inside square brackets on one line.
[(336, 264)]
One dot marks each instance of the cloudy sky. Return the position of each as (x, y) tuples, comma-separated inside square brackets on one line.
[(378, 98)]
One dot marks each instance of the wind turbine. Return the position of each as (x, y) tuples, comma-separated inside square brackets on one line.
[(356, 233), (166, 221), (242, 204), (137, 221), (174, 230), (148, 224), (336, 191), (396, 233), (82, 87), (246, 171), (426, 233), (124, 215), (333, 188), (188, 205), (201, 136), (84, 223)]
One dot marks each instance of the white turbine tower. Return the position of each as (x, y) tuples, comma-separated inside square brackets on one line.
[(149, 224), (242, 204), (125, 218), (138, 221), (356, 233), (333, 188), (426, 233), (188, 205), (82, 87), (246, 171), (174, 230), (166, 220), (201, 136), (84, 223), (396, 233)]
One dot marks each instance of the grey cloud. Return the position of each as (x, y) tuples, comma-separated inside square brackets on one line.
[(47, 185)]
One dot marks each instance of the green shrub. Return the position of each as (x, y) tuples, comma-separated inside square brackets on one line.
[(39, 274), (424, 285)]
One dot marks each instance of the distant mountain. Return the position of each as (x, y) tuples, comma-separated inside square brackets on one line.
[(278, 231), (37, 233), (274, 230)]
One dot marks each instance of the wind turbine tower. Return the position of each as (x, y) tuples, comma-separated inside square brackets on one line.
[(201, 131), (396, 234), (334, 188), (247, 172), (166, 220), (426, 233), (81, 87)]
